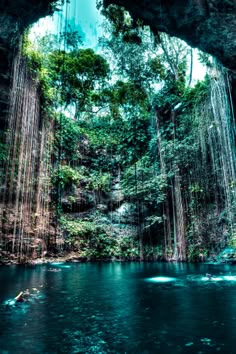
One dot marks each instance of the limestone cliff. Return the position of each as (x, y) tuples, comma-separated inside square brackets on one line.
[(15, 17)]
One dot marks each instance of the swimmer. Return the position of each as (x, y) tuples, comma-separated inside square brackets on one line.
[(22, 296), (209, 276), (54, 270), (19, 297)]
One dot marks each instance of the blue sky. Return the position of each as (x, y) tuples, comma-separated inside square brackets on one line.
[(82, 16)]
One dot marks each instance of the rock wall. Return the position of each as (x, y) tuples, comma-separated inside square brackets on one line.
[(15, 17), (206, 24)]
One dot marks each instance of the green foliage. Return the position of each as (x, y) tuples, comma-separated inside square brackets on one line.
[(77, 228), (205, 59), (142, 182), (152, 220), (65, 176), (132, 130), (232, 242), (67, 137), (82, 63), (120, 20), (98, 181), (91, 239), (38, 66), (179, 152), (130, 95), (71, 39), (195, 188), (95, 240), (194, 96), (157, 67), (76, 73), (196, 253), (134, 140), (65, 77), (3, 152), (101, 134)]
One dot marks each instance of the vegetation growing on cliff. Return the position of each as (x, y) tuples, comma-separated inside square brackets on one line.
[(135, 152)]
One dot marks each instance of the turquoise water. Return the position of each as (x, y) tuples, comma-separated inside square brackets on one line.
[(118, 308)]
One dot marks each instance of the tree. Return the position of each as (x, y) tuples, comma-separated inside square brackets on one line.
[(76, 75)]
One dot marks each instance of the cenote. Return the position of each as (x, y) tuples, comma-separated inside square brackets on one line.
[(114, 308), (117, 176)]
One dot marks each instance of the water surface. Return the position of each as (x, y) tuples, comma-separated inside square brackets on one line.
[(119, 308)]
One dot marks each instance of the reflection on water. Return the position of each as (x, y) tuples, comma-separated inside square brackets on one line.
[(60, 265), (161, 279), (197, 278), (119, 308)]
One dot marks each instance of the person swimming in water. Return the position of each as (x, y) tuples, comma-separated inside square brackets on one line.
[(22, 296), (209, 276), (19, 297)]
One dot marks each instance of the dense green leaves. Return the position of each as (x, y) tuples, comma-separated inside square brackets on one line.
[(75, 74), (66, 176), (67, 137), (137, 127)]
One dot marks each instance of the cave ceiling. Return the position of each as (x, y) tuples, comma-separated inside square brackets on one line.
[(209, 25)]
